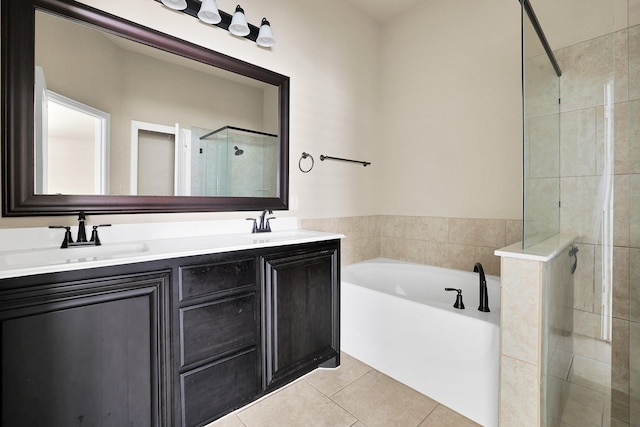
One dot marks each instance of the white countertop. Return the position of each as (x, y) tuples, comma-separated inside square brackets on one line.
[(120, 250)]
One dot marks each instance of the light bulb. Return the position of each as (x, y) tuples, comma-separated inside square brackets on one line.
[(209, 12), (175, 4), (265, 36), (239, 26)]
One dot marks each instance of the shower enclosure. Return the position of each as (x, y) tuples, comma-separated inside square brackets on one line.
[(236, 162), (582, 178)]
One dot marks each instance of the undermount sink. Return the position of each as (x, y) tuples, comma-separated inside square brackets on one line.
[(50, 256)]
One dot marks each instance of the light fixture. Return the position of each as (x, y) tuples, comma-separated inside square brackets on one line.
[(265, 36), (209, 12), (239, 26), (175, 4)]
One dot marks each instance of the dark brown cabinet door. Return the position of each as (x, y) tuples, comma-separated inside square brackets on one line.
[(85, 353), (301, 313)]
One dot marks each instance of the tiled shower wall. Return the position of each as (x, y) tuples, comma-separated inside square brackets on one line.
[(599, 364), (446, 242)]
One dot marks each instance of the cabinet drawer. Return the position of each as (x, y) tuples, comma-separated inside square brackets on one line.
[(210, 391), (217, 327), (199, 280)]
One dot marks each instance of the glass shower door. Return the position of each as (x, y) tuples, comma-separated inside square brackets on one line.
[(541, 115)]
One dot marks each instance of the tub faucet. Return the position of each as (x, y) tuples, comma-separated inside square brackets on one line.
[(484, 297)]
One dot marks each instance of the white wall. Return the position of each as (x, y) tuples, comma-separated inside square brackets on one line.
[(329, 51), (451, 111), (432, 99)]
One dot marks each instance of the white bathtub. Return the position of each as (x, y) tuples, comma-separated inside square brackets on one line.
[(397, 318)]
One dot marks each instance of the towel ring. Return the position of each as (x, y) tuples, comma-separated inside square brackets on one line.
[(304, 156)]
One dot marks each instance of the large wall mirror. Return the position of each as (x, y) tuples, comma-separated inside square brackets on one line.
[(106, 116)]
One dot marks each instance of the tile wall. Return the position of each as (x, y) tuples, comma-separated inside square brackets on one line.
[(536, 346), (446, 242), (604, 362), (520, 349)]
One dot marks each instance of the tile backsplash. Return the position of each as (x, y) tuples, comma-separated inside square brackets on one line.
[(445, 242)]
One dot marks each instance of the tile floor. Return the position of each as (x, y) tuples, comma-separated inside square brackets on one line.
[(354, 395), (586, 384)]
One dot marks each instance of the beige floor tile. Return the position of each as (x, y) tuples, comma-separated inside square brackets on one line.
[(330, 381), (378, 400), (591, 373), (618, 423), (298, 404), (560, 363), (579, 415), (588, 397), (445, 417), (230, 420)]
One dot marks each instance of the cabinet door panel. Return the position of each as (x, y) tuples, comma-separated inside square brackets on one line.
[(91, 360), (301, 313), (210, 391), (217, 327)]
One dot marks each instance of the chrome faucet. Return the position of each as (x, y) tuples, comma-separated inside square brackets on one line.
[(484, 297)]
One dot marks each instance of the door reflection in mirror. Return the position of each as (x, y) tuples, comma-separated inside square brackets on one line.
[(72, 141)]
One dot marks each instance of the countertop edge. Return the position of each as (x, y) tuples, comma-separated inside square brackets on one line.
[(242, 243), (543, 251)]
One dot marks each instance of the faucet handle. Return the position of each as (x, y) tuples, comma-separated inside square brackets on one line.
[(94, 234), (67, 235), (267, 226), (458, 304), (255, 225)]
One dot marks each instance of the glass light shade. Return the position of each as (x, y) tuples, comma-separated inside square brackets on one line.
[(209, 12), (175, 4), (265, 36), (239, 26)]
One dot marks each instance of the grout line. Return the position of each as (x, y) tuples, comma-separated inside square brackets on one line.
[(340, 389), (241, 422), (266, 396), (570, 367), (429, 414), (351, 383)]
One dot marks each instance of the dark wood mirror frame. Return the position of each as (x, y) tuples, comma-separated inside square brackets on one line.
[(18, 38)]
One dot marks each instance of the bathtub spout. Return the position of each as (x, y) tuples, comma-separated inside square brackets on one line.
[(484, 297)]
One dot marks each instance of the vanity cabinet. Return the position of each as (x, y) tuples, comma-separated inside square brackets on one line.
[(84, 352), (177, 341)]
